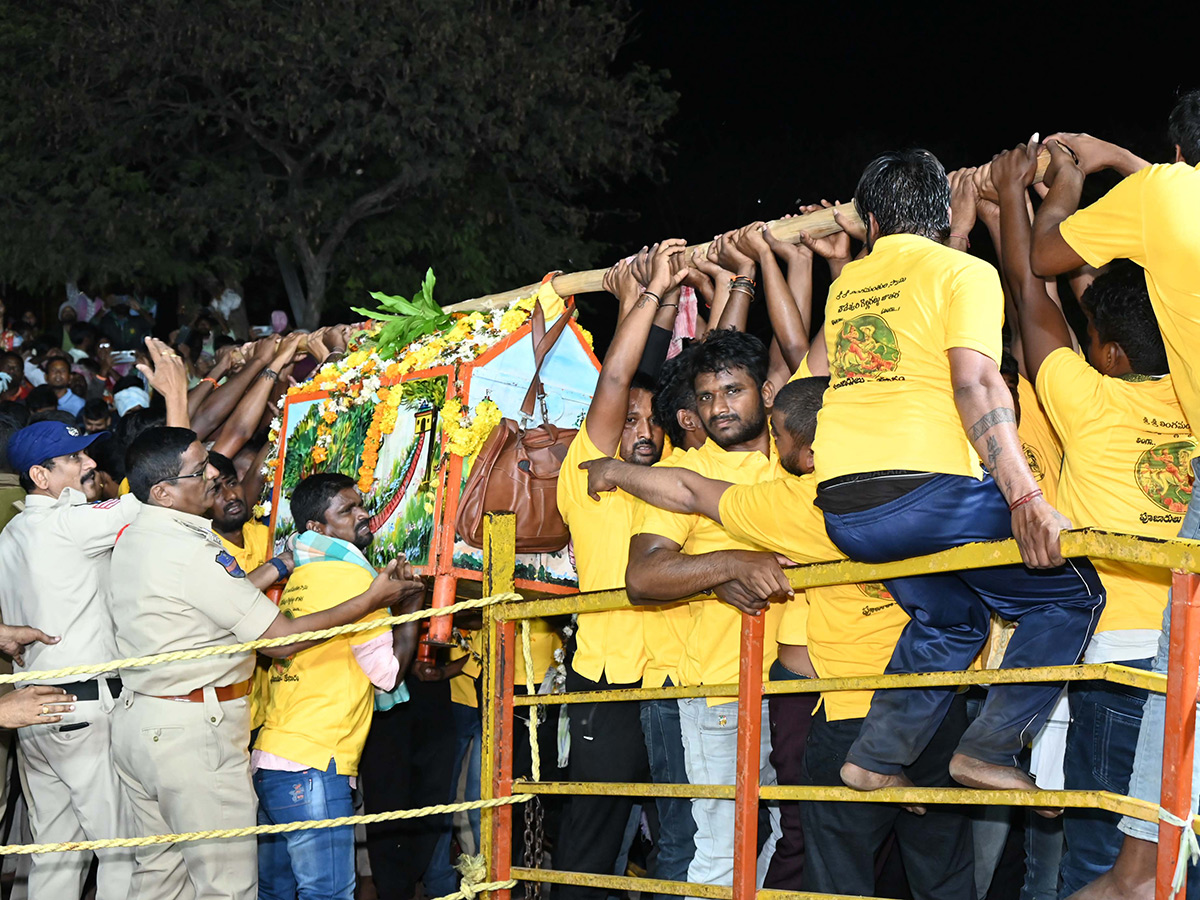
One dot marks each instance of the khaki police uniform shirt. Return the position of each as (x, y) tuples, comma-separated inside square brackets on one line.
[(54, 575), (173, 590)]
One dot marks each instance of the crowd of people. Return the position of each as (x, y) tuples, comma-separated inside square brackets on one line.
[(940, 401)]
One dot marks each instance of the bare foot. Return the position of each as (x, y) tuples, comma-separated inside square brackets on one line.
[(865, 780), (1130, 878), (976, 773)]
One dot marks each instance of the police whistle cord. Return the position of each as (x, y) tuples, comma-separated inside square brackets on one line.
[(138, 662), (226, 833)]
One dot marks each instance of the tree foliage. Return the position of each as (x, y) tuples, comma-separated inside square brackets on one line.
[(160, 140)]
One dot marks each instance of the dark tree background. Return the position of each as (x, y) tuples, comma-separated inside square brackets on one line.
[(342, 143), (312, 151)]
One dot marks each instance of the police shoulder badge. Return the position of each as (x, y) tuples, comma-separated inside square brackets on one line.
[(226, 561)]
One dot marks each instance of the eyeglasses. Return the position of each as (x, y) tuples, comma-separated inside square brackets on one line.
[(203, 473)]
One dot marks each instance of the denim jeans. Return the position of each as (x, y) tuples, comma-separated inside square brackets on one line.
[(950, 613), (1145, 781), (1105, 719), (309, 865), (676, 827), (710, 753), (441, 878)]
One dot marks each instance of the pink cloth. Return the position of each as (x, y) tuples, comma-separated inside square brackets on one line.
[(685, 321), (378, 662)]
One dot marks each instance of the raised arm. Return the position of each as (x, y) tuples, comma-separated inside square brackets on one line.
[(790, 314), (221, 402), (1042, 325), (741, 289), (986, 410), (169, 377), (610, 403), (243, 422), (1050, 254)]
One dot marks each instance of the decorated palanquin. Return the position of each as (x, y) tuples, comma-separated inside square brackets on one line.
[(407, 426)]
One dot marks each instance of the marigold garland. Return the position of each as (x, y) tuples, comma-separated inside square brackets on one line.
[(362, 376)]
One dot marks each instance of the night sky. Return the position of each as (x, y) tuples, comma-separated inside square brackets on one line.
[(788, 102)]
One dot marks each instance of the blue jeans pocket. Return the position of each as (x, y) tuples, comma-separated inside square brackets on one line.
[(1114, 739)]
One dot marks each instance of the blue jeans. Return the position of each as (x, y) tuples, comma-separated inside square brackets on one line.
[(950, 611), (310, 865), (710, 752), (1145, 781), (1105, 719), (676, 827), (441, 878)]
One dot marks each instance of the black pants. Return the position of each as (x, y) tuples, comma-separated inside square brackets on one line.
[(606, 745), (407, 762), (842, 839), (791, 717)]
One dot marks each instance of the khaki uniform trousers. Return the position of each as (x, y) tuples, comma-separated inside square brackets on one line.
[(186, 767), (73, 794)]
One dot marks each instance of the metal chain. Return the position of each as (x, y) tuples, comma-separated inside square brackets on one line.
[(539, 839), (531, 887)]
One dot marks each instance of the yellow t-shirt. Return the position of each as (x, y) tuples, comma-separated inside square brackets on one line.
[(802, 370), (1150, 217), (890, 319), (1126, 468), (1043, 450), (462, 685), (321, 701), (712, 647), (606, 643), (543, 641), (852, 629), (257, 550), (664, 628)]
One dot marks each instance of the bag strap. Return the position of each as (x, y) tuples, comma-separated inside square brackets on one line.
[(543, 343)]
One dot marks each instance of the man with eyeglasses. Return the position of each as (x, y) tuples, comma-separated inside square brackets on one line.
[(181, 729), (54, 575)]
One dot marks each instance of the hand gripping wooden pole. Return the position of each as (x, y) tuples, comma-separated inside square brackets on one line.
[(817, 224)]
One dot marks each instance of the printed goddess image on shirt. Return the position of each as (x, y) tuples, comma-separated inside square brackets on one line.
[(1164, 475), (866, 348)]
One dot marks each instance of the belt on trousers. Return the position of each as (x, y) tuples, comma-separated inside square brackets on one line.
[(224, 694), (90, 690)]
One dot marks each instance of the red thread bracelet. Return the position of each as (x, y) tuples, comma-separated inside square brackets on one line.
[(1021, 501)]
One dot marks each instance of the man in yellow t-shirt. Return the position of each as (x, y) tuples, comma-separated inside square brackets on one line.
[(319, 708), (249, 543), (606, 738), (673, 556), (847, 630), (912, 333), (1149, 218)]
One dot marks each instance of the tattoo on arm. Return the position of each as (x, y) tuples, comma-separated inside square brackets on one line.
[(988, 421), (642, 301), (994, 451)]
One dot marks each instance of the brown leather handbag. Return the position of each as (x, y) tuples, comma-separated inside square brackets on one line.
[(517, 468)]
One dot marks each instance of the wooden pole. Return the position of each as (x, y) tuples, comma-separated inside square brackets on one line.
[(818, 224)]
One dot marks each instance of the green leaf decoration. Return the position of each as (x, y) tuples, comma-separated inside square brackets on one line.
[(406, 320)]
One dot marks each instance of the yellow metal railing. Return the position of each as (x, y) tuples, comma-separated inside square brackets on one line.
[(1179, 555)]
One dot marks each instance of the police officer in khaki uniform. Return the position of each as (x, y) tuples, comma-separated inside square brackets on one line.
[(181, 729), (54, 569)]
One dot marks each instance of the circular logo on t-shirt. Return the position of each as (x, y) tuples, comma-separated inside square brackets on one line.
[(1035, 464), (878, 593), (1164, 474), (865, 347)]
